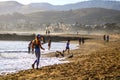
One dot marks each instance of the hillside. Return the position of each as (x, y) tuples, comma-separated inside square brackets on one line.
[(9, 7), (84, 16), (107, 4), (33, 21), (12, 6)]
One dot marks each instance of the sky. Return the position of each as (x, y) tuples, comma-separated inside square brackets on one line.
[(54, 2)]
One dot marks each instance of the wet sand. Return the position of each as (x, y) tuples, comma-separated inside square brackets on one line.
[(94, 60)]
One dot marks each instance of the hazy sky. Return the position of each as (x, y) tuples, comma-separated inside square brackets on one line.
[(54, 2)]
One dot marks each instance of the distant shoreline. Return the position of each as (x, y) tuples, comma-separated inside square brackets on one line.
[(18, 37)]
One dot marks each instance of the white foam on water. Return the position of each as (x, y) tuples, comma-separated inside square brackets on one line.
[(14, 56)]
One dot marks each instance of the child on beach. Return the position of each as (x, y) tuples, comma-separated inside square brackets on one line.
[(67, 47), (37, 46)]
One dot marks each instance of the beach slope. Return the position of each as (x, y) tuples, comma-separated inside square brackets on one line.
[(95, 60)]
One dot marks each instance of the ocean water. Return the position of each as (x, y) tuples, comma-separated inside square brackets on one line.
[(14, 55)]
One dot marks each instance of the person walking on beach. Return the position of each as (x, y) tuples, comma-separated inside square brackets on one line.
[(107, 38), (29, 46), (67, 47), (37, 46), (104, 37), (79, 41), (49, 44), (82, 40)]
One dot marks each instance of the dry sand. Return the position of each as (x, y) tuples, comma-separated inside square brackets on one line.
[(95, 60)]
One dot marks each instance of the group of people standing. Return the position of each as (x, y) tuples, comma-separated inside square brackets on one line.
[(81, 41), (106, 38)]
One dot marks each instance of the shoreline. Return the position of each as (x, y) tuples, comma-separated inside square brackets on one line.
[(95, 59), (55, 38), (48, 60)]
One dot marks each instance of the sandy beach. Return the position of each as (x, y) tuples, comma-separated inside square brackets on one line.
[(94, 60)]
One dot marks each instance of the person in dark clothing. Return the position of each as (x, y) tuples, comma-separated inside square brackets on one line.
[(104, 37), (83, 41), (79, 41), (49, 44), (29, 46), (107, 38)]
